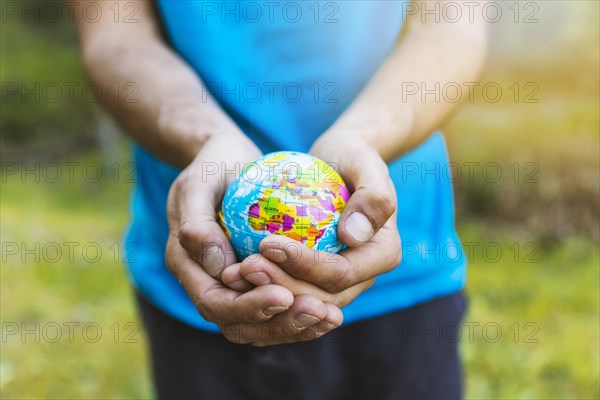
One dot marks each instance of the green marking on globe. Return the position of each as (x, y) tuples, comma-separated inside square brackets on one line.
[(284, 193)]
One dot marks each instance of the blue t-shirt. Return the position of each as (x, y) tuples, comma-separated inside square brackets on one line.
[(284, 71)]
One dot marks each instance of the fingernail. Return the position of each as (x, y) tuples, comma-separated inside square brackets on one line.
[(325, 326), (274, 310), (359, 227), (258, 278), (303, 321), (322, 328), (213, 260), (277, 256)]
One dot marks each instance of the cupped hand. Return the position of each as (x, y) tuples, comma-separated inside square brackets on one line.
[(198, 251), (367, 225)]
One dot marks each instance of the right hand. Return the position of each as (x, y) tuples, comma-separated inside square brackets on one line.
[(198, 251)]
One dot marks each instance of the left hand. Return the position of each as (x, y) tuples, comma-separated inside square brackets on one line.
[(367, 226)]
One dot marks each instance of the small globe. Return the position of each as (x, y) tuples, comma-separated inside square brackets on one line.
[(284, 193)]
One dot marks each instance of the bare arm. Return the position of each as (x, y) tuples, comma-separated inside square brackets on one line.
[(386, 116), (171, 114)]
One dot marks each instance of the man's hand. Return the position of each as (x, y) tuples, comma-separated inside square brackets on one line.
[(198, 251), (367, 226)]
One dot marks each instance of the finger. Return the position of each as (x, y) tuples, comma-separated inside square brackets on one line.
[(250, 268), (318, 330), (197, 230), (332, 320), (304, 313), (373, 200), (218, 303), (286, 327), (206, 242), (231, 277), (336, 272), (301, 333), (260, 271)]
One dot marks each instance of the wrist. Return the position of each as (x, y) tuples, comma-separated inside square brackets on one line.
[(185, 129), (335, 148), (385, 131), (222, 157)]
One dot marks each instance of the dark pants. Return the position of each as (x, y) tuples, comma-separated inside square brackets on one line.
[(409, 354)]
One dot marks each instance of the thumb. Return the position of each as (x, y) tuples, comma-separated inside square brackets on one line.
[(373, 200)]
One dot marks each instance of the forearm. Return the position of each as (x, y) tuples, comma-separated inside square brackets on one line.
[(429, 56), (167, 108)]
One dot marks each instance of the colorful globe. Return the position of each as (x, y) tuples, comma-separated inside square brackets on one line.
[(284, 193)]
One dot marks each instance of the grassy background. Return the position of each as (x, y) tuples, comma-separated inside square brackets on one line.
[(556, 356), (547, 309)]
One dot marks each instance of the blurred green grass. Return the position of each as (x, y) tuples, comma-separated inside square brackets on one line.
[(85, 288), (557, 293), (44, 101), (546, 152), (553, 351)]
